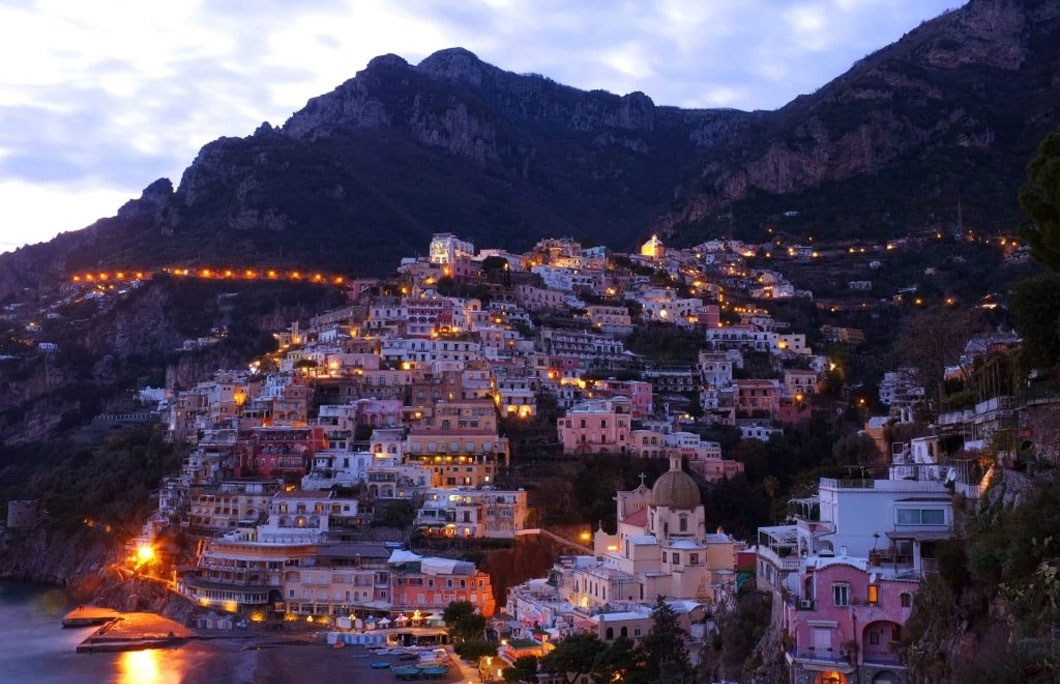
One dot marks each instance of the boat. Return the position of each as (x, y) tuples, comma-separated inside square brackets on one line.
[(434, 671), (406, 672), (380, 666)]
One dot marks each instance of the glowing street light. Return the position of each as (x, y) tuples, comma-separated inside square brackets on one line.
[(145, 553)]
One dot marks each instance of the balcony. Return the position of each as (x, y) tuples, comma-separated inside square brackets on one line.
[(784, 558), (837, 658)]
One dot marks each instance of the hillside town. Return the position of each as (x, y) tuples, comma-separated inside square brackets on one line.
[(408, 405)]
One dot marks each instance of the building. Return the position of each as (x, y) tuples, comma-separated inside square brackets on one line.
[(653, 248), (661, 548), (430, 584), (844, 575), (472, 513), (277, 451), (596, 426), (757, 397), (446, 248)]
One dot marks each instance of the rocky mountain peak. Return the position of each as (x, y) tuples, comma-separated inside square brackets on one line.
[(387, 61), (455, 64)]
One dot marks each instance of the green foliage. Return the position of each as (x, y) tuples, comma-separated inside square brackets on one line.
[(109, 483), (463, 622), (1006, 565), (665, 656), (663, 342), (622, 661), (475, 649), (494, 263), (523, 670), (739, 628), (1040, 200), (574, 656), (856, 449), (1036, 310)]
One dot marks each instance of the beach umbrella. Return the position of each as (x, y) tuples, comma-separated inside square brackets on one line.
[(401, 618), (384, 621)]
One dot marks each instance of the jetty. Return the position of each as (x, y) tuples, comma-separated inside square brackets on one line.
[(135, 631), (86, 616)]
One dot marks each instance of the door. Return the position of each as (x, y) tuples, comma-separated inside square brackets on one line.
[(822, 641)]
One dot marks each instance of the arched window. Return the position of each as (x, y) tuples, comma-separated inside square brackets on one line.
[(610, 633), (683, 523), (624, 633)]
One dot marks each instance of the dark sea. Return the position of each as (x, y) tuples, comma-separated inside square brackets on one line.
[(34, 647)]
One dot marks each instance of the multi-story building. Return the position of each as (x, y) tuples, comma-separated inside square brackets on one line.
[(272, 451), (446, 248), (596, 426), (430, 584), (472, 513), (757, 397), (614, 320), (845, 573), (800, 382), (218, 509), (715, 369)]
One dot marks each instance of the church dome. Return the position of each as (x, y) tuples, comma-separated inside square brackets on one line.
[(675, 488)]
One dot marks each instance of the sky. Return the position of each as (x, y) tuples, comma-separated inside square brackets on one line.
[(98, 98)]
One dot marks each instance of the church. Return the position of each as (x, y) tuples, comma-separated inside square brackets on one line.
[(661, 548)]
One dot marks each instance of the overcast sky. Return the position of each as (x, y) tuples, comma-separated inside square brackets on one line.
[(100, 97)]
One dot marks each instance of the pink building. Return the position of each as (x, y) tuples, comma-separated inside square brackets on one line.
[(637, 391), (756, 397), (425, 315), (848, 624), (596, 426), (791, 411), (716, 469)]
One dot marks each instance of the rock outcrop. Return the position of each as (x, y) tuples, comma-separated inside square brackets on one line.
[(364, 174)]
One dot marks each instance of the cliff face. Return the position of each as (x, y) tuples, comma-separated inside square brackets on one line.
[(951, 111), (364, 174)]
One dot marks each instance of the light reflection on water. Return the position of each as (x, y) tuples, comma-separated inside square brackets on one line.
[(35, 648), (139, 667)]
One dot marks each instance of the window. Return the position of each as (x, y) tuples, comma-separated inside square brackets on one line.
[(683, 525), (907, 599), (874, 594), (841, 594), (921, 516), (874, 637)]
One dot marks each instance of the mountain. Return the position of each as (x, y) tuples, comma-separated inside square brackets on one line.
[(363, 175)]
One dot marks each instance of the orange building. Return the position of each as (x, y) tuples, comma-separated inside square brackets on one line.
[(430, 584)]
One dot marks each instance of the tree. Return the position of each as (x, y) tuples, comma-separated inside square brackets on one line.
[(523, 670), (463, 622), (573, 657), (475, 649), (666, 659), (1040, 200), (857, 449), (1036, 311), (494, 263), (934, 339), (622, 661), (457, 610)]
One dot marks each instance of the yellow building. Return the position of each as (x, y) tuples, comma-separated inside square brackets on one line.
[(653, 248)]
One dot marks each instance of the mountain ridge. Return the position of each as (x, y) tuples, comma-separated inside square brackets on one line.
[(365, 173)]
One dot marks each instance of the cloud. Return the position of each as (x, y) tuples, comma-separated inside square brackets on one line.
[(97, 99)]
